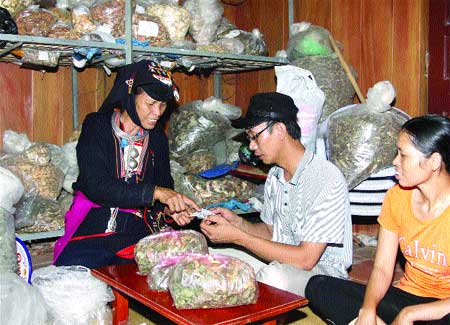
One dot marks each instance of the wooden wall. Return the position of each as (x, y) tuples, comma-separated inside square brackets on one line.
[(382, 40)]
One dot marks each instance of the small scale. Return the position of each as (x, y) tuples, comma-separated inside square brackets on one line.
[(24, 261)]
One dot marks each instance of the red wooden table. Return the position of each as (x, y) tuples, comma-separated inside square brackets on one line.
[(126, 283)]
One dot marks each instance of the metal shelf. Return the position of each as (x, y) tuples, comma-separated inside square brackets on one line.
[(40, 235), (181, 58)]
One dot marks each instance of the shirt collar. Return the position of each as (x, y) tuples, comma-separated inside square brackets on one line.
[(304, 161)]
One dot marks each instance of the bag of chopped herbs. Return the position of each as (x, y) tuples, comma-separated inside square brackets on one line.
[(210, 191), (331, 79), (158, 277), (308, 39), (46, 213), (8, 250), (361, 139), (192, 129), (212, 281), (36, 171), (150, 250)]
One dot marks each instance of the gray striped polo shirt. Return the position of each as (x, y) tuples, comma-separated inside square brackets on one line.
[(312, 207)]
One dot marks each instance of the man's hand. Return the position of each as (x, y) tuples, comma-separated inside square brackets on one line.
[(228, 215), (219, 230), (179, 205)]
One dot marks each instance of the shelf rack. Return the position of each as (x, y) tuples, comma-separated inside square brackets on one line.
[(181, 58)]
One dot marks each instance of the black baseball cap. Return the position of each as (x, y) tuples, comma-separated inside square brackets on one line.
[(264, 107)]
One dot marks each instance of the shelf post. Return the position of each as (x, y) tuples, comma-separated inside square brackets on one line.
[(74, 98), (218, 85), (290, 14), (128, 38)]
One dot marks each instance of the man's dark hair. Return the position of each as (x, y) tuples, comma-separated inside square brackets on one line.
[(292, 127)]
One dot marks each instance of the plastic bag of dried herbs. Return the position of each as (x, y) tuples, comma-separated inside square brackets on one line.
[(8, 257), (308, 39), (158, 277), (361, 139), (192, 129), (198, 161), (47, 214), (331, 79), (210, 191), (206, 16), (151, 249), (212, 281)]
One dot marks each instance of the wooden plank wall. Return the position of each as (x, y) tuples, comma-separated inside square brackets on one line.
[(382, 39)]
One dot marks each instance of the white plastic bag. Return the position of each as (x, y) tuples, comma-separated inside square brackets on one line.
[(20, 303), (308, 97), (12, 189), (15, 142), (73, 295)]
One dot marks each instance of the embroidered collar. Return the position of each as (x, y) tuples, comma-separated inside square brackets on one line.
[(122, 134)]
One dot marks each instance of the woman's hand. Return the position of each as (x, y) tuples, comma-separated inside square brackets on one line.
[(179, 205), (368, 318)]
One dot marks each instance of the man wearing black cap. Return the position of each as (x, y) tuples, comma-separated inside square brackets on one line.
[(124, 189), (306, 228)]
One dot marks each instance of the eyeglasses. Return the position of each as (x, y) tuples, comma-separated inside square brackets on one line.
[(255, 137)]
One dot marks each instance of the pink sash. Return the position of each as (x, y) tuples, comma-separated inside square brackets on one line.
[(73, 219)]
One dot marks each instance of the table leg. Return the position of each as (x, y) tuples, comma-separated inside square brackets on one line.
[(120, 308)]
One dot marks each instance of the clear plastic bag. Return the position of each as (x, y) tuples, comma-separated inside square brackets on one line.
[(46, 213), (48, 179), (361, 139), (35, 21), (191, 129), (39, 57), (254, 43), (15, 6), (110, 14), (210, 191), (38, 154), (82, 20), (12, 189), (14, 142), (158, 277), (20, 303), (216, 105), (57, 157), (150, 250), (198, 160), (8, 251), (63, 30), (331, 79), (73, 295), (212, 281), (24, 216), (206, 16), (175, 19), (151, 29), (308, 40)]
